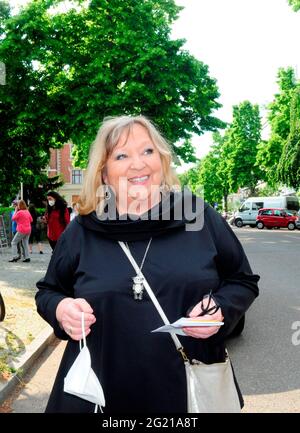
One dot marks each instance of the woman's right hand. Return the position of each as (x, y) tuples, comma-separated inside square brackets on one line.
[(68, 314)]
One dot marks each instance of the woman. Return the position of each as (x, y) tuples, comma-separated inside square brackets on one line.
[(127, 196), (23, 219), (57, 217), (14, 228)]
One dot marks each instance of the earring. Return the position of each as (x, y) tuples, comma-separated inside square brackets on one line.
[(163, 188), (107, 193)]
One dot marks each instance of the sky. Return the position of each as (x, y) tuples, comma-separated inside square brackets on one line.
[(244, 43)]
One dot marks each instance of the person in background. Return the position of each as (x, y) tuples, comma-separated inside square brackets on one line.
[(14, 228), (23, 220), (74, 212), (57, 217), (130, 194), (35, 230)]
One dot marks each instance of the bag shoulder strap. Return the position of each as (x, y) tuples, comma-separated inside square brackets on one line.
[(153, 298)]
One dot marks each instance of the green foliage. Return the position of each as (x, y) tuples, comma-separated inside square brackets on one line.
[(67, 70), (295, 4), (240, 147), (4, 14), (213, 175), (36, 191), (269, 152), (8, 354), (26, 124), (5, 210), (191, 179), (210, 181), (208, 177), (267, 158), (289, 164), (185, 151), (279, 109), (267, 191)]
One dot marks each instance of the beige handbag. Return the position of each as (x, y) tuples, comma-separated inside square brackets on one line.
[(210, 387)]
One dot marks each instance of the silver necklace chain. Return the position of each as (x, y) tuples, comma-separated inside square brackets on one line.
[(144, 258), (138, 280)]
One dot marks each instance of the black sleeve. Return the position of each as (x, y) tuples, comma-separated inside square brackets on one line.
[(55, 286), (238, 287)]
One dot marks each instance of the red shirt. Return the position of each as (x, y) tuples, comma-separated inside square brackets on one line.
[(55, 227)]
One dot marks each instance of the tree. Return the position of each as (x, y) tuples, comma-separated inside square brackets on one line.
[(191, 179), (213, 173), (212, 187), (27, 127), (240, 147), (295, 4), (208, 177), (289, 164), (67, 71), (269, 152), (36, 193)]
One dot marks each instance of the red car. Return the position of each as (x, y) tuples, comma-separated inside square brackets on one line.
[(275, 218)]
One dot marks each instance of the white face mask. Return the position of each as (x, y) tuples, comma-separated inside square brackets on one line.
[(81, 379), (51, 202)]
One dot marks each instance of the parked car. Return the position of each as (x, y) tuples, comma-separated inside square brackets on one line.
[(271, 218), (248, 211), (298, 220)]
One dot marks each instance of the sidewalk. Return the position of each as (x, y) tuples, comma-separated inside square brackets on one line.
[(32, 395), (23, 333)]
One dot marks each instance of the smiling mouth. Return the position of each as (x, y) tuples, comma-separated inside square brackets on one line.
[(138, 179)]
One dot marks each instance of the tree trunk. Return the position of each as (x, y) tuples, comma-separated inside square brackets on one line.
[(225, 201)]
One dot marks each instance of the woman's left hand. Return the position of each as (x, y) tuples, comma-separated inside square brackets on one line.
[(204, 331)]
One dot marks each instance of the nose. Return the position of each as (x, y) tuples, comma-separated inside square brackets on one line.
[(137, 162)]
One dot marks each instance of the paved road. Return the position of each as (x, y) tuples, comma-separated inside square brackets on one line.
[(266, 362)]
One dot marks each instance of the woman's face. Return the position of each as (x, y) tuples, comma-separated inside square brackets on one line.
[(51, 200), (134, 171)]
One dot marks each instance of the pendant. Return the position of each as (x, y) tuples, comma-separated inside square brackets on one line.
[(138, 287)]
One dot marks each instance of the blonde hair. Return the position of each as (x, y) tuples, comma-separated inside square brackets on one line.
[(106, 140), (22, 205)]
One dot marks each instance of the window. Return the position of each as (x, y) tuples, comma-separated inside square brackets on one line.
[(292, 203), (246, 206), (76, 176), (267, 212), (257, 205), (278, 212)]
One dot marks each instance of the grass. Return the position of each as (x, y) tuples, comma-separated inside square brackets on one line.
[(8, 354)]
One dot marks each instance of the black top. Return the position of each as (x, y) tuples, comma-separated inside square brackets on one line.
[(141, 371)]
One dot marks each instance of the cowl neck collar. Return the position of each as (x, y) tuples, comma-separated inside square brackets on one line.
[(176, 211)]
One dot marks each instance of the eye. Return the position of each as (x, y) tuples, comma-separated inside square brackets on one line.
[(149, 151), (121, 156)]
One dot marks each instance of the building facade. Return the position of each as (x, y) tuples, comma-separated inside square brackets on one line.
[(61, 164)]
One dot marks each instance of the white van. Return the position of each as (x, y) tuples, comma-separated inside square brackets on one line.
[(249, 209)]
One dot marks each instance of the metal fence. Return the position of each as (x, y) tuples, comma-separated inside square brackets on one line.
[(4, 234)]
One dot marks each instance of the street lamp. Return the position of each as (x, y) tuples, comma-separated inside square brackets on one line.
[(21, 184), (21, 191)]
